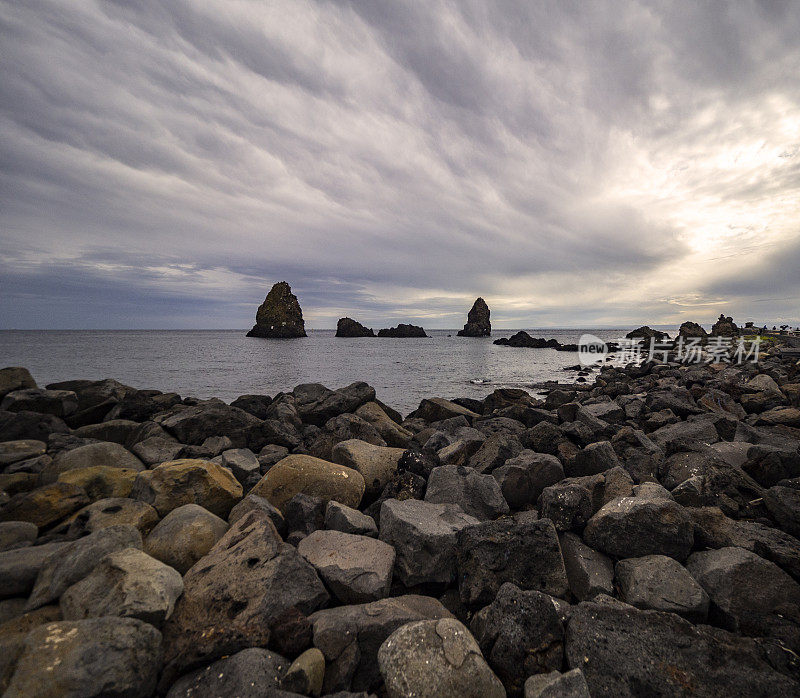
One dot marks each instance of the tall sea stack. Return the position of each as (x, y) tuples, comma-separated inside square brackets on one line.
[(279, 316), (478, 324)]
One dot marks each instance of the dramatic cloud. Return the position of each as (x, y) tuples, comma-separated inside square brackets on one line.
[(162, 164)]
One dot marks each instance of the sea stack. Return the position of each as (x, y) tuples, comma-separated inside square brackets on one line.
[(279, 316), (725, 327), (646, 332), (478, 324), (403, 330), (347, 327), (692, 330)]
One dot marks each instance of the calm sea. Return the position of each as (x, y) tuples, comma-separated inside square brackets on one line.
[(226, 364)]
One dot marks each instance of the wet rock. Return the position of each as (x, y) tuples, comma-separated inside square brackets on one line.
[(84, 658), (357, 569), (527, 554), (477, 495), (567, 505), (279, 316), (424, 537), (377, 464), (634, 527), (15, 378), (17, 534), (104, 453), (749, 594), (245, 674), (339, 517), (184, 536), (435, 658), (14, 451), (127, 583), (19, 567), (312, 476), (523, 477), (653, 653), (347, 327), (403, 331), (402, 486), (478, 321), (589, 572), (662, 584), (188, 481), (46, 505), (235, 594), (350, 636), (520, 634), (60, 403), (418, 463), (76, 560)]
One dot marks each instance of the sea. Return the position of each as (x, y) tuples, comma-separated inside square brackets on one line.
[(226, 363)]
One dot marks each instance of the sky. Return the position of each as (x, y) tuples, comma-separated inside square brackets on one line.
[(577, 164)]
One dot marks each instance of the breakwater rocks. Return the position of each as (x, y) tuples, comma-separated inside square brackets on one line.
[(279, 316), (636, 535)]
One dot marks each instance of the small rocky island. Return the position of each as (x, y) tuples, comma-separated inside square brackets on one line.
[(478, 324), (403, 331), (280, 315), (347, 327)]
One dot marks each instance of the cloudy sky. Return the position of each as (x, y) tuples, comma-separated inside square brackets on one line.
[(162, 164)]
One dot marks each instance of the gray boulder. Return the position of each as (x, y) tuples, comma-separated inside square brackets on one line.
[(17, 534), (595, 458), (104, 453), (424, 537), (660, 583), (433, 658), (20, 567), (244, 465), (567, 505), (339, 517), (252, 502), (22, 449), (571, 684), (316, 404), (357, 569), (589, 572), (477, 495), (59, 403), (523, 477), (783, 505), (15, 378), (156, 449), (127, 583), (377, 464)]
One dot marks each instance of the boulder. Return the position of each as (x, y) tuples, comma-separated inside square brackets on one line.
[(59, 403), (357, 569), (525, 553), (304, 514), (520, 634), (347, 327), (783, 505), (589, 572), (155, 450), (126, 583), (316, 404), (19, 567), (350, 636), (305, 675), (245, 674), (279, 316), (76, 560), (391, 432), (46, 505), (635, 527), (339, 517), (725, 327), (691, 329), (235, 595), (377, 464), (253, 502), (15, 378), (193, 424), (436, 409), (188, 481), (104, 453), (595, 458), (13, 632), (22, 449), (257, 405), (477, 495), (644, 653), (494, 452), (29, 425), (85, 658), (478, 321), (101, 481), (567, 504), (436, 658), (424, 538), (403, 331), (244, 465), (313, 476), (660, 583), (523, 477), (345, 427), (571, 684), (749, 594), (17, 534), (184, 536)]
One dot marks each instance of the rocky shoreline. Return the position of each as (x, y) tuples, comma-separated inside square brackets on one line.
[(637, 535)]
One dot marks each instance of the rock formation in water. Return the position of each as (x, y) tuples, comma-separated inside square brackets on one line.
[(347, 327), (279, 316), (647, 333), (725, 327), (692, 329), (403, 330), (478, 324), (523, 340)]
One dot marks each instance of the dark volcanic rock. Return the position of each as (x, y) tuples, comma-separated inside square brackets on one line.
[(403, 330), (478, 324), (725, 327), (279, 316), (523, 340), (347, 327), (645, 332), (626, 652), (691, 329)]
